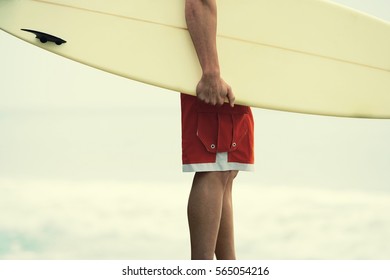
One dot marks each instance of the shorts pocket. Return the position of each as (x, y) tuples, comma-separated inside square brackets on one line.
[(207, 130), (240, 129), (221, 132)]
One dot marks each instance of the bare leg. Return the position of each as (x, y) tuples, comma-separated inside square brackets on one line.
[(205, 211), (225, 249)]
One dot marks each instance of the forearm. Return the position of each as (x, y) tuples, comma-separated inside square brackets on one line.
[(201, 17)]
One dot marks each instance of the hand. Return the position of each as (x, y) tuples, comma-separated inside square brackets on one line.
[(213, 90)]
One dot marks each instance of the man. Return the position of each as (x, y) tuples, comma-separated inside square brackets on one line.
[(217, 142)]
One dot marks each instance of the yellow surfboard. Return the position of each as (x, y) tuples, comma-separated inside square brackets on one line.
[(306, 56)]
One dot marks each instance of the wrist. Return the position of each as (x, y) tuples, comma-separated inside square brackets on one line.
[(211, 74)]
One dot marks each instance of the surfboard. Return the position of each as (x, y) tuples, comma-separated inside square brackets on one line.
[(306, 56)]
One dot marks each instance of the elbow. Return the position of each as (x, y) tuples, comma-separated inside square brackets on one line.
[(190, 9), (194, 8)]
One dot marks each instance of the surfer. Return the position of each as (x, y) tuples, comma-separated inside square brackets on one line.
[(217, 142)]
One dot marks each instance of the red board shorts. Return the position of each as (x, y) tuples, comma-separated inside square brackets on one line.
[(216, 138)]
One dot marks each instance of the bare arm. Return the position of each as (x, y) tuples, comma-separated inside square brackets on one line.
[(201, 17)]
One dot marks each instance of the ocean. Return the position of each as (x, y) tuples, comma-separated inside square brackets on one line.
[(47, 220)]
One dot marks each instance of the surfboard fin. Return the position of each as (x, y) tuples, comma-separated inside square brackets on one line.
[(44, 37)]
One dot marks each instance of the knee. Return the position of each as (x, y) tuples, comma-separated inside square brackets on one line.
[(233, 174), (229, 176), (224, 177)]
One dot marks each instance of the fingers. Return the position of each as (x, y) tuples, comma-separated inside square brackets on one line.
[(215, 92), (206, 93), (226, 94), (230, 96)]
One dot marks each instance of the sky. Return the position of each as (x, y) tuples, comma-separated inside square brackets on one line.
[(66, 126)]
